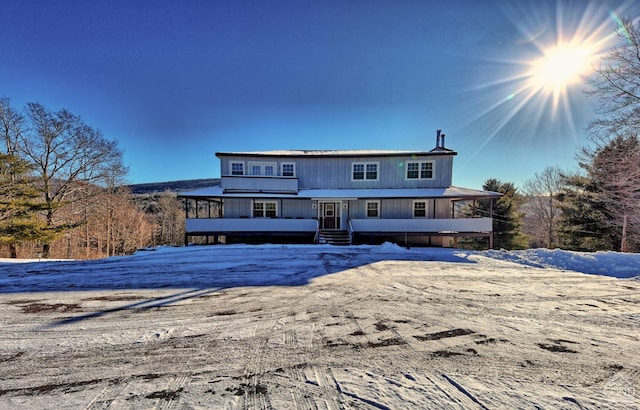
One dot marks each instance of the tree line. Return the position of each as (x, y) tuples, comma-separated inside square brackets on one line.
[(62, 190), (597, 207)]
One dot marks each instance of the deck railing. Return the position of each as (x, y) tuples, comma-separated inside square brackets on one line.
[(269, 184)]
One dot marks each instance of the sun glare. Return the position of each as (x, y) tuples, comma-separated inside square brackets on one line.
[(561, 66), (540, 83)]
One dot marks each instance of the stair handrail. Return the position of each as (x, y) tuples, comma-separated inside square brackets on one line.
[(350, 231), (316, 238)]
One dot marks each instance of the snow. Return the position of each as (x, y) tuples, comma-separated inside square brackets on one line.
[(322, 153), (177, 267), (319, 326), (614, 264)]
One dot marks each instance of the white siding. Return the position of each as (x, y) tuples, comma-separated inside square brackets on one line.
[(237, 208), (402, 208)]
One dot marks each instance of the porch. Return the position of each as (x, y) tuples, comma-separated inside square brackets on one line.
[(364, 228)]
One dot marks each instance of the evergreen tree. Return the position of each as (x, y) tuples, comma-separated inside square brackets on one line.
[(583, 213), (603, 205), (19, 205), (507, 217), (616, 168)]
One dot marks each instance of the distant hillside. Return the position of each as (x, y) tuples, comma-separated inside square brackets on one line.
[(173, 186)]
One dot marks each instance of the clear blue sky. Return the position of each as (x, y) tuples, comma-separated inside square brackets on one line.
[(176, 81)]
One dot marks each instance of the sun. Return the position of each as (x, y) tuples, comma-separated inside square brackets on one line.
[(562, 66)]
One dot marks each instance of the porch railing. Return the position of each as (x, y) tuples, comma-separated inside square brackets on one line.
[(221, 225), (458, 225)]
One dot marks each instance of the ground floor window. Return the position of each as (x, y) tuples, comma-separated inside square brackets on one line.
[(419, 209), (265, 209), (373, 209)]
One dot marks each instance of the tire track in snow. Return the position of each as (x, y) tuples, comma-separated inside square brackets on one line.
[(175, 388), (254, 393), (108, 394), (464, 391)]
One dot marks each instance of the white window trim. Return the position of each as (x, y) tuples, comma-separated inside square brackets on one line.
[(366, 209), (433, 171), (262, 165), (231, 162), (264, 208), (426, 208), (288, 163), (377, 164)]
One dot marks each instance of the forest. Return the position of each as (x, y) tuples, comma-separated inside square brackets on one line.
[(63, 192)]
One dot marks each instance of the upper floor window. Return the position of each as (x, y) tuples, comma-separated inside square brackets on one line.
[(265, 209), (262, 168), (364, 171), (373, 209), (420, 209), (288, 170), (420, 170), (237, 168)]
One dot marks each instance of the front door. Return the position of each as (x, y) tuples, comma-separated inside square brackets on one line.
[(329, 215)]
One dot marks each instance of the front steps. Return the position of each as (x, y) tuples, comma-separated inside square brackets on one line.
[(334, 238)]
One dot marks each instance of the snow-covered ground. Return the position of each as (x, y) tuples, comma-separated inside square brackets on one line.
[(614, 264), (317, 326), (245, 265)]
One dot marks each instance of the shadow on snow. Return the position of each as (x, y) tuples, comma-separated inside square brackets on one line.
[(206, 267), (202, 270)]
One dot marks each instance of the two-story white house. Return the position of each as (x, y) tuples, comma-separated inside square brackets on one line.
[(340, 197)]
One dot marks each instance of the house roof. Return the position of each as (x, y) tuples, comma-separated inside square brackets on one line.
[(451, 192), (337, 153)]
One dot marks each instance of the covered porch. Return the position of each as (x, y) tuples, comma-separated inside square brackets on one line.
[(307, 213)]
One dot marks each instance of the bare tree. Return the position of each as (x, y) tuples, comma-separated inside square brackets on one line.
[(169, 216), (542, 208), (108, 222), (68, 156), (11, 127), (616, 83), (119, 225)]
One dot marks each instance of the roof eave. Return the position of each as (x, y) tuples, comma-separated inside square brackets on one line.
[(353, 154)]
